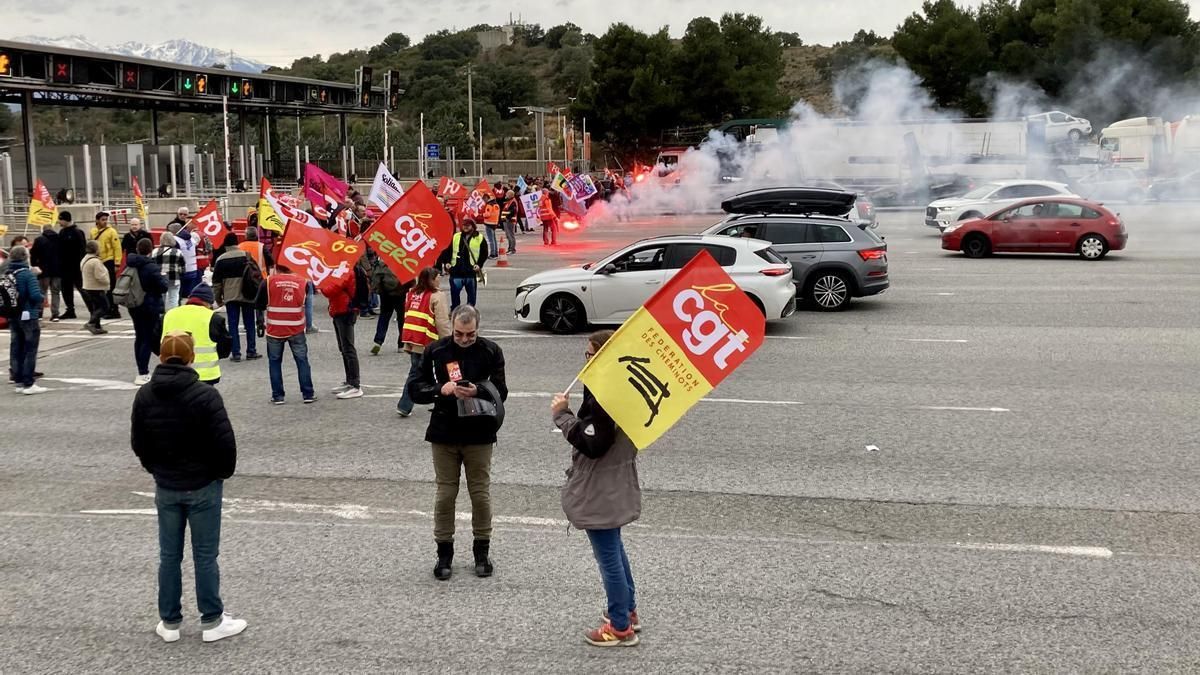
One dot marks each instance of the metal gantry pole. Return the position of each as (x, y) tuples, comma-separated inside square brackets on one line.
[(87, 173), (174, 175), (225, 120), (253, 166), (104, 176)]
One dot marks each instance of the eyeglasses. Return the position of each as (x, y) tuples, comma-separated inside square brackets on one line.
[(588, 354)]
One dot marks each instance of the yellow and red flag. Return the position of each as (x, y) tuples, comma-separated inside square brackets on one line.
[(274, 212), (140, 201), (674, 350), (324, 256), (411, 234), (42, 209)]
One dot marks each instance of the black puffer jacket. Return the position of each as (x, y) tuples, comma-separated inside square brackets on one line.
[(181, 432)]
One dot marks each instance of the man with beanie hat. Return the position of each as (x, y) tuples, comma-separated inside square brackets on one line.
[(181, 434), (45, 257), (25, 328), (71, 250), (208, 330)]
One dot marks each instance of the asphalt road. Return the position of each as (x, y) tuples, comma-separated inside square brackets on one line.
[(1030, 506)]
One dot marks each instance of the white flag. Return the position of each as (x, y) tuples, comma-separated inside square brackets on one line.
[(386, 190), (532, 203)]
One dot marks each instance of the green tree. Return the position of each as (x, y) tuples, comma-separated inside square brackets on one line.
[(789, 40), (757, 65), (391, 45), (947, 49), (554, 36), (530, 34), (446, 46), (572, 64), (704, 73)]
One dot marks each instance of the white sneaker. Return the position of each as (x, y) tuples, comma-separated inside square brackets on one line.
[(167, 634), (30, 391), (228, 627), (352, 392), (339, 389), (141, 380)]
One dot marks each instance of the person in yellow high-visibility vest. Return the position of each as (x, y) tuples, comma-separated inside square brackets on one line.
[(208, 331)]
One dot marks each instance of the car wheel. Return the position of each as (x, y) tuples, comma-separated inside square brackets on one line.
[(563, 314), (828, 291), (1092, 247), (969, 215), (976, 246), (1075, 135)]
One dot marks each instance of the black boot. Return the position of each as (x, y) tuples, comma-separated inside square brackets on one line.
[(442, 570), (483, 564)]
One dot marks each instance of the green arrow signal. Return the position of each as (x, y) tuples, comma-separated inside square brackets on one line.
[(187, 84)]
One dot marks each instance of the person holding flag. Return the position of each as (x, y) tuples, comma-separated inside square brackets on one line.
[(549, 219), (602, 495), (509, 212)]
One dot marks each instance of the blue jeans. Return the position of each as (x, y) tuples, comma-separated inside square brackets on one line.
[(22, 351), (615, 574), (308, 300), (237, 312), (493, 246), (188, 283), (200, 510), (389, 305), (406, 403), (299, 346), (457, 286)]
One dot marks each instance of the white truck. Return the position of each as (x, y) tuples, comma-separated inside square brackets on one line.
[(1151, 144)]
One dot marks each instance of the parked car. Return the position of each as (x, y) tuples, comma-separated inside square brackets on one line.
[(863, 212), (1114, 183), (1062, 127), (988, 198), (922, 190), (1057, 225), (609, 291), (833, 260), (1182, 186)]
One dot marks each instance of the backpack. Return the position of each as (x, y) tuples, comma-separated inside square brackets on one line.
[(10, 297), (383, 279), (252, 279), (128, 290)]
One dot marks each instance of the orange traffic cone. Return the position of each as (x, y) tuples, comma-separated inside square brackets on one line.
[(503, 252)]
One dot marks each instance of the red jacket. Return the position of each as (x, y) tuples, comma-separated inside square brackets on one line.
[(341, 295)]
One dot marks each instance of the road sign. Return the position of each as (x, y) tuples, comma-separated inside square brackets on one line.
[(433, 150)]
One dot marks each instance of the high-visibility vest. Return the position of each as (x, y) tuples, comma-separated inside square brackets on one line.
[(491, 214), (285, 306), (256, 250), (420, 328), (475, 245), (545, 209), (195, 319)]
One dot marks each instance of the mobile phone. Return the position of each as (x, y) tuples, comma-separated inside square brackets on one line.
[(463, 383)]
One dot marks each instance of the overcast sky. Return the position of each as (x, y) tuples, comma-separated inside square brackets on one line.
[(278, 31)]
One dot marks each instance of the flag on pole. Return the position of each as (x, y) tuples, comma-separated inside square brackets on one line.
[(473, 205), (42, 209), (582, 186), (208, 221), (559, 182), (552, 168), (412, 233), (324, 256), (674, 350), (532, 203), (140, 202), (323, 190), (274, 212), (450, 188), (386, 190)]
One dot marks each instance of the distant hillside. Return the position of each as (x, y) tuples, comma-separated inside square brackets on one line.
[(172, 51)]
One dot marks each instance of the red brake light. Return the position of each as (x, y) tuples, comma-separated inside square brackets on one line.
[(775, 271), (873, 254)]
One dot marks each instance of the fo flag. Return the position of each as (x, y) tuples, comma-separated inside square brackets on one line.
[(208, 222), (412, 233), (140, 201), (325, 257), (451, 189), (674, 350), (274, 213), (532, 203), (386, 189), (42, 210)]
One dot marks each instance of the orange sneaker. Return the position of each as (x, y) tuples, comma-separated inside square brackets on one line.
[(634, 623), (607, 636)]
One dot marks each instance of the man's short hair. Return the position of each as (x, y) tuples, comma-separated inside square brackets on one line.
[(18, 254), (144, 246), (102, 214), (181, 210), (174, 228), (92, 246), (465, 313)]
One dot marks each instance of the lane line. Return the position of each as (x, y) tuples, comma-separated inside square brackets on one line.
[(1084, 551), (953, 408), (960, 342)]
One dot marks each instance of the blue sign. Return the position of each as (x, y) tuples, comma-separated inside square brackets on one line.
[(433, 150)]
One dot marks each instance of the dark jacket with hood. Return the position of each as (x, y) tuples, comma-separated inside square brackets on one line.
[(153, 284), (180, 430), (72, 246), (130, 240), (602, 490), (481, 362), (45, 254)]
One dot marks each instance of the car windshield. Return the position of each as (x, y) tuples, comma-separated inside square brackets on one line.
[(981, 191)]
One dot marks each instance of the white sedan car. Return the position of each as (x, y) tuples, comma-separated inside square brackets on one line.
[(988, 198), (609, 291)]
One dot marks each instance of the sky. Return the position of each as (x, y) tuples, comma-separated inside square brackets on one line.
[(279, 31)]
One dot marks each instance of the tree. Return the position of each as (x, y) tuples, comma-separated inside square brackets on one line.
[(554, 36), (757, 64), (530, 34), (704, 73), (392, 44), (572, 64), (946, 48), (446, 46), (507, 86), (788, 40)]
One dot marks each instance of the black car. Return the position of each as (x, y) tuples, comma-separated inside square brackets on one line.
[(1183, 186)]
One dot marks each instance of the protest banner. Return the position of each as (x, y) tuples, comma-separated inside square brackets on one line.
[(411, 234), (140, 201), (386, 189), (532, 204), (209, 223), (324, 256), (42, 210)]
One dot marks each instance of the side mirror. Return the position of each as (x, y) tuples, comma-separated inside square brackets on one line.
[(608, 269)]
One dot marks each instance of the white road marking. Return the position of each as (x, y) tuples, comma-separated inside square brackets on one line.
[(99, 385), (1084, 551), (120, 512), (963, 409), (934, 340), (944, 295)]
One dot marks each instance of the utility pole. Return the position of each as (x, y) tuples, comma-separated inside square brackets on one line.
[(470, 106)]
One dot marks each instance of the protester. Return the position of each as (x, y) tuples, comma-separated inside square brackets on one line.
[(25, 329), (282, 299), (146, 316), (170, 260), (310, 328), (180, 220), (344, 296), (602, 495), (260, 255), (188, 242), (509, 213), (464, 259), (426, 321), (95, 284), (549, 219), (230, 279), (71, 249), (181, 434), (208, 330), (46, 257), (454, 371), (491, 223), (391, 294), (110, 254), (133, 236)]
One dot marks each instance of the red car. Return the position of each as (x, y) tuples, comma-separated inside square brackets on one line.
[(1044, 225)]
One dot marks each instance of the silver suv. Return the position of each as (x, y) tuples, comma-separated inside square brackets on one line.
[(833, 260)]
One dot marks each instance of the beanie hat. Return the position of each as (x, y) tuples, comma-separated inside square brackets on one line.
[(177, 347), (203, 292)]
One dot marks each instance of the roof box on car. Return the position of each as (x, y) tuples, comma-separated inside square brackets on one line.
[(798, 200)]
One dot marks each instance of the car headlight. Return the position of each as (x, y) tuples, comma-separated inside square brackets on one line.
[(527, 288), (952, 227), (945, 208)]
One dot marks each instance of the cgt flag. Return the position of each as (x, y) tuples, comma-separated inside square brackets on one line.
[(323, 255), (674, 350), (386, 189), (140, 201), (208, 222), (412, 233), (42, 209), (473, 206)]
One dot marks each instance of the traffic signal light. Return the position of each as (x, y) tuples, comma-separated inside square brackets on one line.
[(247, 89), (60, 69), (201, 84), (187, 85), (129, 77), (391, 82), (363, 82), (6, 69)]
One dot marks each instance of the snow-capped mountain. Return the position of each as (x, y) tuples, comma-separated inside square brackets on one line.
[(172, 51)]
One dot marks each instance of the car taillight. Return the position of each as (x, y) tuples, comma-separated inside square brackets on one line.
[(865, 208), (873, 253), (774, 271)]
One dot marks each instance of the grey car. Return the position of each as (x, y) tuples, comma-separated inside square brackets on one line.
[(833, 260)]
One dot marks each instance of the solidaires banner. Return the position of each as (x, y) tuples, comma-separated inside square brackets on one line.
[(674, 350), (386, 190)]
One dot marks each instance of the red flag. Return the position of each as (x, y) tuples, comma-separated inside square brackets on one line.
[(552, 168), (448, 187), (472, 206), (410, 235), (325, 257), (210, 224), (322, 189)]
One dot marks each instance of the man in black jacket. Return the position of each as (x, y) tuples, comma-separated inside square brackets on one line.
[(182, 436), (455, 369), (71, 249), (147, 317), (45, 256), (135, 234)]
